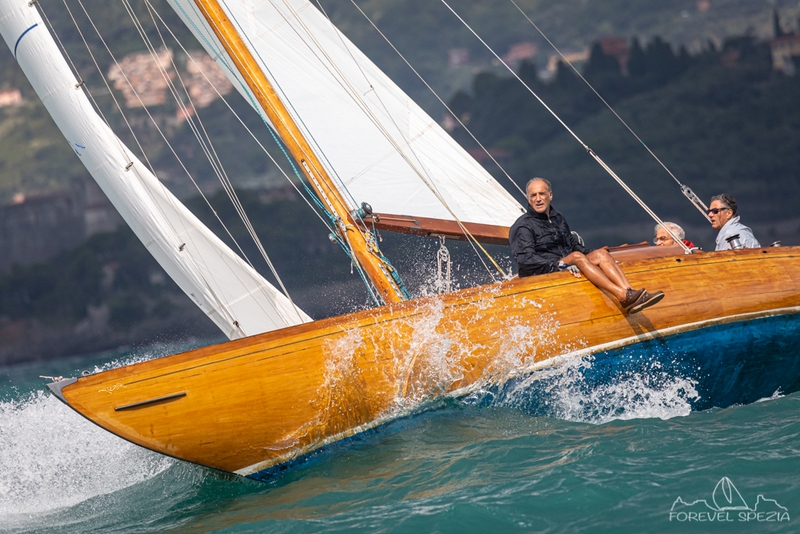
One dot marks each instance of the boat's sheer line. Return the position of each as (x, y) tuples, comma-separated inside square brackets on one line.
[(697, 203), (222, 306), (213, 158), (425, 179), (439, 98), (354, 94), (536, 366), (591, 152)]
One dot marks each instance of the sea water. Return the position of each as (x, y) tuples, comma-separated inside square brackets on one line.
[(630, 456)]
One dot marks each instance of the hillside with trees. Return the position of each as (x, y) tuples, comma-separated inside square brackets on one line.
[(720, 120), (34, 158), (718, 115)]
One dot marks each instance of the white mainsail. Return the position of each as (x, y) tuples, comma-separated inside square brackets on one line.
[(382, 147), (226, 288)]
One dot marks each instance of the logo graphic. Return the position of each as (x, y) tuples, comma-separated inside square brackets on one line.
[(729, 506)]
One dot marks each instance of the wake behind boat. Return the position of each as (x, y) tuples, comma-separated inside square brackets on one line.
[(286, 386)]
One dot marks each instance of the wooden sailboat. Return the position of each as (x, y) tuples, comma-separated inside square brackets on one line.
[(252, 404), (286, 386)]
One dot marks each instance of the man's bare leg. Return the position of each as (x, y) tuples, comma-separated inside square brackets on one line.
[(606, 263), (596, 275)]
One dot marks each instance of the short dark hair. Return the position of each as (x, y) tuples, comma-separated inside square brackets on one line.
[(729, 202), (546, 182)]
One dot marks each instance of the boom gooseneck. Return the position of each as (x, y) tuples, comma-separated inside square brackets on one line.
[(350, 228)]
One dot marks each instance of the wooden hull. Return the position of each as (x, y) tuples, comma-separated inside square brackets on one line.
[(246, 406)]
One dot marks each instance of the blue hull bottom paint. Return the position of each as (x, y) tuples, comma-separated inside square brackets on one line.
[(721, 365)]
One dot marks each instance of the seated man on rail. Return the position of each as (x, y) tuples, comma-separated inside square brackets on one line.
[(725, 220), (664, 239), (541, 242)]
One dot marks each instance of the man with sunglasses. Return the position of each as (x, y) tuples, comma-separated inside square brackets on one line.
[(724, 219)]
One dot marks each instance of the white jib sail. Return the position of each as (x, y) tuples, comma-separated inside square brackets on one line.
[(227, 289), (383, 148)]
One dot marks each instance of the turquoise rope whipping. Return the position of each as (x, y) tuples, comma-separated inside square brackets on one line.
[(392, 271), (334, 223)]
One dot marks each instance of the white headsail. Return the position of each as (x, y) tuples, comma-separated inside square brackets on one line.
[(382, 147), (226, 288)]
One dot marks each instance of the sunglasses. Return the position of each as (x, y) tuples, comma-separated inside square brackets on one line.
[(717, 210)]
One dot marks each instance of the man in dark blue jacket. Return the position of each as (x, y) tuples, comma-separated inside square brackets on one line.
[(542, 243)]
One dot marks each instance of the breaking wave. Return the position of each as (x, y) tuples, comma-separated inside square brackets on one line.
[(573, 391), (60, 459), (629, 383)]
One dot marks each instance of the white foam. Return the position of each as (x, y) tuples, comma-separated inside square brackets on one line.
[(51, 458), (652, 392)]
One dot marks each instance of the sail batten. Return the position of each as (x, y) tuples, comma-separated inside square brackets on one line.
[(228, 290)]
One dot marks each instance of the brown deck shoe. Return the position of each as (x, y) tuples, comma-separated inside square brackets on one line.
[(646, 300), (632, 296)]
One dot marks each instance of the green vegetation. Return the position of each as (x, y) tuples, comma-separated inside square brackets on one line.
[(116, 270), (719, 117), (717, 126), (35, 158)]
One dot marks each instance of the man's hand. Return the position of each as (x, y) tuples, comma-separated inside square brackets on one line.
[(573, 269)]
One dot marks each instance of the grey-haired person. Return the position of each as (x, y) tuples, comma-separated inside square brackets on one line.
[(541, 242)]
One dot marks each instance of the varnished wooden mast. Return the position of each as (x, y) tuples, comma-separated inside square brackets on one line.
[(359, 239)]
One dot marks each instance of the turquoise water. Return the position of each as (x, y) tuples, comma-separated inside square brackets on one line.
[(610, 459)]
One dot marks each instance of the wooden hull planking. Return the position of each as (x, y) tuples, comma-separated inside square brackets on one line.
[(251, 404)]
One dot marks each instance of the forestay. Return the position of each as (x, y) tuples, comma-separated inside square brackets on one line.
[(227, 289), (377, 143)]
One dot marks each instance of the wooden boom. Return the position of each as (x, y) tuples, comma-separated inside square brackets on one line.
[(250, 404)]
